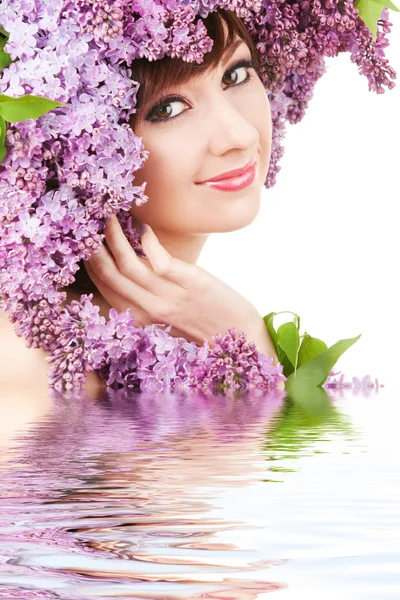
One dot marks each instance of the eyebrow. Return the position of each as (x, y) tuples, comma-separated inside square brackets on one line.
[(231, 50), (227, 55)]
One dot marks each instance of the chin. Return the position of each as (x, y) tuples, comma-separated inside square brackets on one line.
[(241, 214)]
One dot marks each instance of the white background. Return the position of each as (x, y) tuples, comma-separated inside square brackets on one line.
[(325, 243)]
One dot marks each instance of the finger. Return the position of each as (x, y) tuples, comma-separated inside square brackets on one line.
[(107, 274), (114, 300), (128, 262), (165, 265), (117, 302)]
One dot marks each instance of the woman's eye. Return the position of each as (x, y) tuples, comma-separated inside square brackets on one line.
[(234, 72), (164, 111)]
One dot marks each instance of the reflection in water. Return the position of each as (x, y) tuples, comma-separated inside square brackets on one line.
[(337, 384), (120, 496), (169, 497)]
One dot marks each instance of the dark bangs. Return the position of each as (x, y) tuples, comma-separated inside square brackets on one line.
[(166, 73), (156, 76)]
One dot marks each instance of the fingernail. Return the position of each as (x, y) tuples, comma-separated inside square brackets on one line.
[(143, 228)]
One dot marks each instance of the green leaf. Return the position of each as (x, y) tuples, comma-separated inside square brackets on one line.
[(315, 371), (280, 349), (310, 347), (269, 322), (5, 60), (370, 11), (387, 4), (287, 367), (3, 151), (25, 107), (289, 341)]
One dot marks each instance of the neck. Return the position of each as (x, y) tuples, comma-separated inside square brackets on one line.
[(184, 246)]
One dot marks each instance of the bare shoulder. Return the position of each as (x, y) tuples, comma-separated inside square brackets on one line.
[(22, 367), (18, 363)]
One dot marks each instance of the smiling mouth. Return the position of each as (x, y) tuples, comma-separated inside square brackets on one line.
[(235, 173), (234, 184)]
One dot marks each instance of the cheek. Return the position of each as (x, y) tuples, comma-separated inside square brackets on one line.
[(169, 175), (172, 167), (165, 166), (263, 116), (152, 173), (262, 121)]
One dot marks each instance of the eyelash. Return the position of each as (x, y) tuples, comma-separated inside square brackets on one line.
[(248, 64)]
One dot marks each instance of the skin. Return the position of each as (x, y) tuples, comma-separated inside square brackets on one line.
[(220, 129), (222, 125)]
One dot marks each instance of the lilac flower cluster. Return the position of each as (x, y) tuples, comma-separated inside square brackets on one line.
[(295, 38), (147, 358), (65, 173), (234, 364)]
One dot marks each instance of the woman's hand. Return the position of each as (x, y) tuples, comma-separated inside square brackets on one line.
[(169, 291)]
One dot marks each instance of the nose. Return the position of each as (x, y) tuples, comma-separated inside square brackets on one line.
[(230, 127)]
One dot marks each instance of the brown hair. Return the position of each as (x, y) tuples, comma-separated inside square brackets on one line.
[(155, 76), (167, 72)]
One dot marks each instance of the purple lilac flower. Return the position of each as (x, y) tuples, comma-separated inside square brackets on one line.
[(235, 365), (79, 52)]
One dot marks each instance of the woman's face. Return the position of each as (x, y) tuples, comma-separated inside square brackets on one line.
[(216, 122)]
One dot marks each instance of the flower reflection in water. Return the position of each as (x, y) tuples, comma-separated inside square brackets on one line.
[(145, 495), (122, 494)]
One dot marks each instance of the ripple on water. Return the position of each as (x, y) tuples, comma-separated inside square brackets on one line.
[(167, 497)]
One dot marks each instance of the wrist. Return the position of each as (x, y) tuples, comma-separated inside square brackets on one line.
[(258, 333)]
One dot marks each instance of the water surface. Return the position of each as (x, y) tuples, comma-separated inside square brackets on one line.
[(168, 497)]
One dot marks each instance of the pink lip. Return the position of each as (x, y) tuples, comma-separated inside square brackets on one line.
[(233, 184), (230, 174)]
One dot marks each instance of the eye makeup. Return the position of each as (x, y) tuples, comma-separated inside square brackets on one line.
[(164, 102)]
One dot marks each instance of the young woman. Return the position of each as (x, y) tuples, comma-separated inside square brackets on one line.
[(202, 140), (198, 122)]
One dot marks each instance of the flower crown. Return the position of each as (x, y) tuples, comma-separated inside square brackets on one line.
[(68, 156)]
